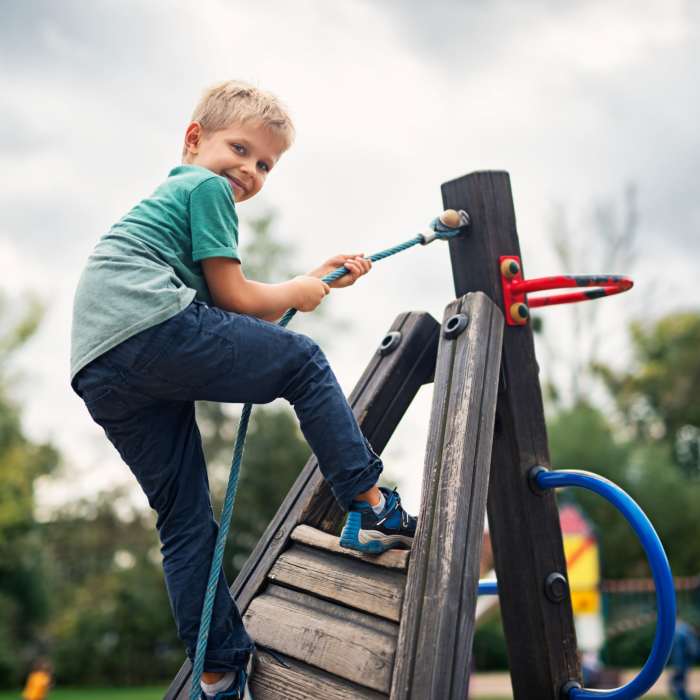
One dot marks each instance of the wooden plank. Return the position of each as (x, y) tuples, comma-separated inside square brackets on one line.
[(379, 400), (524, 527), (349, 644), (272, 681), (437, 627), (354, 583), (391, 559)]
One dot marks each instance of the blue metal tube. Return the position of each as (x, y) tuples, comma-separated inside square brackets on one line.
[(488, 587), (660, 570)]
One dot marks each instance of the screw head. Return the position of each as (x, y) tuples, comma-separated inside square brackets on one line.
[(510, 268)]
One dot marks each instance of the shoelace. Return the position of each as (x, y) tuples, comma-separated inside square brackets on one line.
[(405, 518)]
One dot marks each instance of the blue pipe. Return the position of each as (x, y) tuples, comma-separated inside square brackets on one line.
[(660, 571), (488, 587)]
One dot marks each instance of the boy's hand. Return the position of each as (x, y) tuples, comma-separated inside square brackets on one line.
[(309, 292), (357, 264)]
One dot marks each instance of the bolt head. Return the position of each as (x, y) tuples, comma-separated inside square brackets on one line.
[(520, 313), (510, 268)]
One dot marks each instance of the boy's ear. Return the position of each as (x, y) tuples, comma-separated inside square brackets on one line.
[(193, 136)]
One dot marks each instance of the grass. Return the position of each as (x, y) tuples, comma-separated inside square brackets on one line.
[(148, 693), (157, 692)]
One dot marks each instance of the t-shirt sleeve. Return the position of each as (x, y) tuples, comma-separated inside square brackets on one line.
[(213, 221)]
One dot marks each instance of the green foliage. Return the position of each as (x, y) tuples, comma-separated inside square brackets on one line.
[(110, 618), (629, 649), (489, 650), (581, 437), (275, 452), (265, 257), (659, 396), (24, 603)]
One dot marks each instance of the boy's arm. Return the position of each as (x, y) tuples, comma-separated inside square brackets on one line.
[(231, 291)]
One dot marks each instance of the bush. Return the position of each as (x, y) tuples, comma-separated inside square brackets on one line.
[(489, 649)]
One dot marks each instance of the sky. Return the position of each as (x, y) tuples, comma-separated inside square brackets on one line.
[(578, 101)]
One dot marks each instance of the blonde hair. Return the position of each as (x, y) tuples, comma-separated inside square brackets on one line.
[(236, 102)]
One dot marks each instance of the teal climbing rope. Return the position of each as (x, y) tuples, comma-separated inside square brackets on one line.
[(437, 230)]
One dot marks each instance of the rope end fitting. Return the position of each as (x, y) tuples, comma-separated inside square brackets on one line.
[(449, 224)]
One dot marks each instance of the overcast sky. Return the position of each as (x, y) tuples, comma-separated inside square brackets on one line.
[(390, 99)]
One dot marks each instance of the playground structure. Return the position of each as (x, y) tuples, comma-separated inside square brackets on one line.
[(333, 623)]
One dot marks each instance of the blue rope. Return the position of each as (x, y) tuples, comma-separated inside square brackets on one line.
[(437, 230)]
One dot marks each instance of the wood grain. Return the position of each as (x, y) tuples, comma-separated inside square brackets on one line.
[(524, 527)]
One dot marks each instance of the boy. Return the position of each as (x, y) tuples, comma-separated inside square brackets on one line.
[(164, 316)]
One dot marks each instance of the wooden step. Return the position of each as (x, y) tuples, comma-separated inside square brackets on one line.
[(344, 642), (358, 584), (272, 681), (391, 559)]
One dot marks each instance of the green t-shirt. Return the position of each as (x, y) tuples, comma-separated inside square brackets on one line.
[(147, 268)]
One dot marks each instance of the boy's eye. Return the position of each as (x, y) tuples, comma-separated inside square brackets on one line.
[(264, 166), (238, 148)]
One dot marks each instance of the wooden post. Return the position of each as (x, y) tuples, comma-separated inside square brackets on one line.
[(524, 526), (437, 625), (404, 362)]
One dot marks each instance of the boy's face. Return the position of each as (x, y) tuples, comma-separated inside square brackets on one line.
[(243, 153)]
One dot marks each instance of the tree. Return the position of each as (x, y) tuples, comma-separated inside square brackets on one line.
[(606, 245), (659, 397), (24, 602), (110, 619)]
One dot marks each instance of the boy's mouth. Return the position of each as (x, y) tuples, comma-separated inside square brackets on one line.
[(236, 183)]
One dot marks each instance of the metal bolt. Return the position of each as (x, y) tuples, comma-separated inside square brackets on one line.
[(519, 313), (556, 587), (510, 268), (391, 341), (455, 325), (568, 686)]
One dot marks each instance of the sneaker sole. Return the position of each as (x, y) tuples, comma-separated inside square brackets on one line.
[(247, 695), (369, 541)]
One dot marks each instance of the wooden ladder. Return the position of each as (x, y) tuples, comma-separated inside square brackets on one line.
[(398, 625)]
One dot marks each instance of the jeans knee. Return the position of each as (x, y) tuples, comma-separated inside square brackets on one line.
[(309, 367)]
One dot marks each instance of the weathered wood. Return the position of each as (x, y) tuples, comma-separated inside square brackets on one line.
[(391, 559), (437, 626), (524, 527), (348, 644), (379, 400), (272, 681), (355, 583)]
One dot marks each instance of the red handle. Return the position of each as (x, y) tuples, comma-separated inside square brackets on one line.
[(515, 288)]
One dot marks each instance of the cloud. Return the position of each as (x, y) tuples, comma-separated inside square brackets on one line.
[(390, 99)]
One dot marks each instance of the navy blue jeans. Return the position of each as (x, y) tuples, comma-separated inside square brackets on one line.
[(142, 393)]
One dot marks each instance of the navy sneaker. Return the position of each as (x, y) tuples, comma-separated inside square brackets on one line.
[(373, 534), (238, 690)]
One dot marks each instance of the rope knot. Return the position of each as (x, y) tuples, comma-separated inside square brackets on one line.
[(449, 224)]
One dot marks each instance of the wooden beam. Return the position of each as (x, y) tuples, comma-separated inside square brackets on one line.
[(271, 681), (379, 400), (524, 526), (347, 643), (356, 584), (437, 625)]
